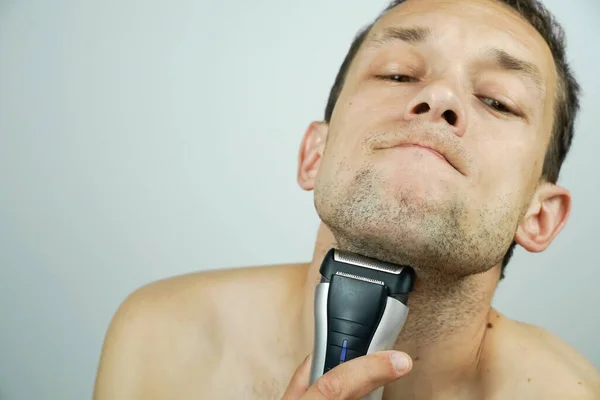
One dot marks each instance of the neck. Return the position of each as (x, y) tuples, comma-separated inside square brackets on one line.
[(444, 332)]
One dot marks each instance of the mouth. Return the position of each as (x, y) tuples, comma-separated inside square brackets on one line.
[(426, 148), (429, 149), (426, 140)]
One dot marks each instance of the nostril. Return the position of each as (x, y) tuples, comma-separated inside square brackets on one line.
[(421, 108), (450, 117)]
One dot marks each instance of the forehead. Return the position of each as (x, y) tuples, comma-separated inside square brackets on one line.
[(464, 27)]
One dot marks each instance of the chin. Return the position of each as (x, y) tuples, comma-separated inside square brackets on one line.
[(421, 184), (431, 256), (402, 240)]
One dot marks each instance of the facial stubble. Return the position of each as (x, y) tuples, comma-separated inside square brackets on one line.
[(372, 217)]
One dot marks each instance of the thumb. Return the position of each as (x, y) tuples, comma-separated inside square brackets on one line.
[(299, 382), (356, 378)]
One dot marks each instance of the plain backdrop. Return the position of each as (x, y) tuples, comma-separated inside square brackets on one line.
[(144, 139)]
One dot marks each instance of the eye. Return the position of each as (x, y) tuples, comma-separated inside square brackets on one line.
[(397, 78), (497, 105)]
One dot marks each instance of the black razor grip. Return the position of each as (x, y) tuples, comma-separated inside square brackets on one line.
[(399, 283), (354, 309)]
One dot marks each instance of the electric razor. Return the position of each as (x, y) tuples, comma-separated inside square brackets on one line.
[(360, 307)]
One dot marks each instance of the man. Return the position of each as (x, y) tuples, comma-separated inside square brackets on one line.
[(440, 149)]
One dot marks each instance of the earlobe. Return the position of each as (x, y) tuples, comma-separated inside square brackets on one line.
[(545, 218), (311, 151)]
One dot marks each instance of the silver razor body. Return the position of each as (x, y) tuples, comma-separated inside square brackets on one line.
[(338, 301)]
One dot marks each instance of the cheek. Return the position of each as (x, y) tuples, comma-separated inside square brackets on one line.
[(505, 171), (336, 163), (362, 111), (367, 103), (350, 120), (347, 130)]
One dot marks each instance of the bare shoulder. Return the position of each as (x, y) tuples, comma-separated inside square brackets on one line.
[(542, 365), (560, 361), (161, 331)]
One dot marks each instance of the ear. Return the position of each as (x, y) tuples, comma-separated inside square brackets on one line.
[(546, 216), (311, 151)]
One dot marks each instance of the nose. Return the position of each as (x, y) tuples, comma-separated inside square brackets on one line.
[(438, 102)]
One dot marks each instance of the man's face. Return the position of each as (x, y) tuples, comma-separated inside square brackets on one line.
[(469, 79)]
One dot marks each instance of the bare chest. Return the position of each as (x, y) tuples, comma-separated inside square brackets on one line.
[(246, 379), (258, 377)]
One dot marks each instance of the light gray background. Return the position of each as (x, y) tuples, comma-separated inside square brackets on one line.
[(142, 139)]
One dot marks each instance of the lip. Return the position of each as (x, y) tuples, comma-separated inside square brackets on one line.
[(449, 157), (433, 151)]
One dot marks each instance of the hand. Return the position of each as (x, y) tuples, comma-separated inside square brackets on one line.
[(350, 380)]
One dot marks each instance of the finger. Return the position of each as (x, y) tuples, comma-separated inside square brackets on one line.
[(299, 382), (359, 377)]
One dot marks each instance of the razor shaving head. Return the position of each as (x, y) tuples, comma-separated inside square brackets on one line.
[(399, 279), (366, 262)]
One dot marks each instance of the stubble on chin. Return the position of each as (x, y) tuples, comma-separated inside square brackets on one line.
[(431, 237)]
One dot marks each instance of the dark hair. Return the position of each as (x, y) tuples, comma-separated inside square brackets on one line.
[(568, 90)]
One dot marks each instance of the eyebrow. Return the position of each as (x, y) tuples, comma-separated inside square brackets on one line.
[(414, 35), (507, 62)]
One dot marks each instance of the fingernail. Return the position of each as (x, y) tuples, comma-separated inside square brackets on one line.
[(400, 361)]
